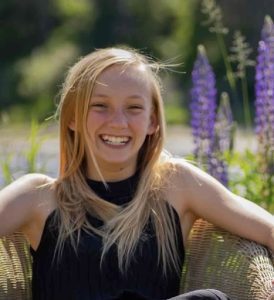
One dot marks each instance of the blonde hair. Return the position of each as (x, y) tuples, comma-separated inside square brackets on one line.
[(123, 227)]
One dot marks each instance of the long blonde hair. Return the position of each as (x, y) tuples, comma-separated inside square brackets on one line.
[(123, 227)]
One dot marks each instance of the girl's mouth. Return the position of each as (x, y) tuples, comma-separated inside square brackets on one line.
[(115, 140)]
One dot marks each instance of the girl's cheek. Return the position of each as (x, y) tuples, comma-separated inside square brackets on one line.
[(96, 116)]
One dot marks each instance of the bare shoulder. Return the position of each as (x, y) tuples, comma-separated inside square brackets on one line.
[(178, 177), (199, 190), (31, 181), (21, 201), (188, 175), (28, 185), (189, 185), (182, 171)]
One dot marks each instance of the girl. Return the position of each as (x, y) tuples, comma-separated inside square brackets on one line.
[(114, 223)]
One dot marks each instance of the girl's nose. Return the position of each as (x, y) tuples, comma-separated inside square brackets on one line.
[(118, 119)]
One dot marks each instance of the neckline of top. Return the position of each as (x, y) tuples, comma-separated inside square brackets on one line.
[(123, 188)]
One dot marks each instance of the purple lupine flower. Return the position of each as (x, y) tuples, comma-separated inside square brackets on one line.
[(267, 30), (224, 126), (203, 106), (264, 120), (212, 134), (265, 87), (218, 168), (223, 141)]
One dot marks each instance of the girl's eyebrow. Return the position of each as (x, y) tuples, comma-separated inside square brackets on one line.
[(134, 96), (100, 96)]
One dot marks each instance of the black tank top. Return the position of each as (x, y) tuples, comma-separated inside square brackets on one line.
[(79, 276)]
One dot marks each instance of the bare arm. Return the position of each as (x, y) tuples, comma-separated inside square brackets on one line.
[(208, 199), (19, 202)]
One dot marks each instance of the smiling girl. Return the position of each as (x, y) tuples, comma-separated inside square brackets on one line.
[(113, 225)]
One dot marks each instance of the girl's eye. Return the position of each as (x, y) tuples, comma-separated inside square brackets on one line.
[(135, 107), (98, 106)]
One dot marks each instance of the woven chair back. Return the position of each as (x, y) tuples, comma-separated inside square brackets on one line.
[(15, 268), (217, 259)]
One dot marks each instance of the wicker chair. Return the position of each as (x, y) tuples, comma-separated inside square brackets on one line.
[(215, 259), (15, 268)]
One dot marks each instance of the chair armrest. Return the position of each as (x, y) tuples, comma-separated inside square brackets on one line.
[(15, 268), (217, 259)]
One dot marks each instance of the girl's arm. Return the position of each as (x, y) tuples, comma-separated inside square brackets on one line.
[(205, 197), (19, 202)]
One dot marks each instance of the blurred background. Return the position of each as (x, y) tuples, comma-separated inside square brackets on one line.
[(40, 39)]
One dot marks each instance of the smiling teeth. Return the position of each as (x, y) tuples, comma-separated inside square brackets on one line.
[(115, 140)]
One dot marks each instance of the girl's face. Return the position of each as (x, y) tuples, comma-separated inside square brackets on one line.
[(119, 119)]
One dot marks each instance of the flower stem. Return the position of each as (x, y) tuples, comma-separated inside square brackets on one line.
[(247, 114), (229, 72)]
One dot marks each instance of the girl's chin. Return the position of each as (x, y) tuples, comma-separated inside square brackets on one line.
[(117, 162)]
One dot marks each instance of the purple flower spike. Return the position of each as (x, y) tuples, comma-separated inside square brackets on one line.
[(265, 108), (265, 87), (224, 126), (211, 133), (267, 31), (223, 141), (203, 105), (218, 169)]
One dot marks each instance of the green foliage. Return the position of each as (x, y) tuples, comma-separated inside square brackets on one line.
[(35, 143), (214, 16), (6, 169), (244, 174), (246, 179), (215, 24), (240, 54), (182, 18), (40, 39), (76, 20), (175, 114), (40, 72), (71, 8), (36, 29), (16, 114), (28, 158), (250, 175)]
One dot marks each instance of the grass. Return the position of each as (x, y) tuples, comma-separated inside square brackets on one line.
[(24, 159)]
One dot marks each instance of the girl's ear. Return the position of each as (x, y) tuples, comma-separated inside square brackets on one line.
[(153, 124), (72, 125)]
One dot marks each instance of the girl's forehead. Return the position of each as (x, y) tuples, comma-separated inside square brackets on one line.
[(129, 75), (134, 71)]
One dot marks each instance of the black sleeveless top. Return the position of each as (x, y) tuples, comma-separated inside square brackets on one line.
[(79, 276)]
